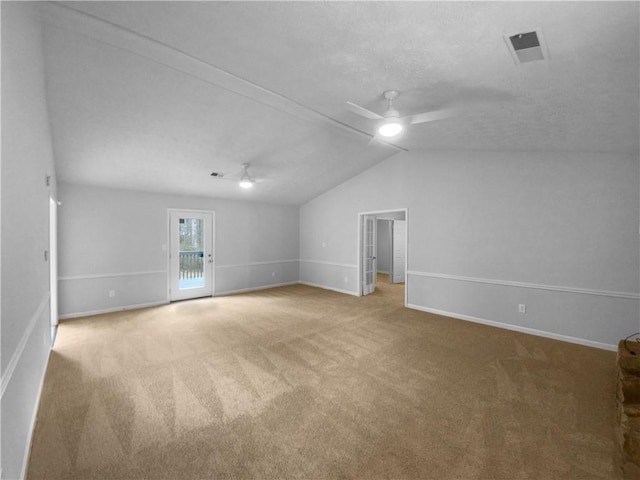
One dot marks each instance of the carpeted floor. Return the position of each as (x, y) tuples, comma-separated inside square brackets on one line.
[(299, 382)]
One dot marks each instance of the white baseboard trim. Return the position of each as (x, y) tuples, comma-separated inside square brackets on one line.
[(324, 287), (34, 417), (517, 328), (253, 289), (166, 302), (15, 358), (111, 310)]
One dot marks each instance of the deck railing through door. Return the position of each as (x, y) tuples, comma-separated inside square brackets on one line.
[(191, 264)]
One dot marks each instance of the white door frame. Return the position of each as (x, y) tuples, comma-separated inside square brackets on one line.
[(361, 216), (53, 261), (213, 246)]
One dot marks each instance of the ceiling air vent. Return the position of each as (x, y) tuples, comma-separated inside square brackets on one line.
[(527, 46)]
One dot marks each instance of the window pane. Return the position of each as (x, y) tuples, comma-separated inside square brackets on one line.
[(191, 253)]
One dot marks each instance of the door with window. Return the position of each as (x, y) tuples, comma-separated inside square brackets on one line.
[(191, 254), (368, 249)]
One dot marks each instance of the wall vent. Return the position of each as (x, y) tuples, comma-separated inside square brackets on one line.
[(527, 46)]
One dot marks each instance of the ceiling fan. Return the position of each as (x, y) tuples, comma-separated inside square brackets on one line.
[(244, 181), (390, 123)]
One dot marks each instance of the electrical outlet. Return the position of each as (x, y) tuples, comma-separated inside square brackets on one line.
[(273, 274), (522, 308), (346, 279), (112, 293)]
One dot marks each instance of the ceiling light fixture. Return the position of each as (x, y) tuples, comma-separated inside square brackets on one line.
[(245, 180), (391, 125)]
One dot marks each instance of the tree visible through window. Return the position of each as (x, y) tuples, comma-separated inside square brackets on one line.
[(191, 234), (191, 252)]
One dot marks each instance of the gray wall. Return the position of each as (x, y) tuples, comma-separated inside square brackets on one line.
[(113, 240), (384, 239), (487, 231), (558, 232), (384, 246), (26, 160)]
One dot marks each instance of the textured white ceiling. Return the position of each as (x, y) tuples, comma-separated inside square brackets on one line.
[(157, 95)]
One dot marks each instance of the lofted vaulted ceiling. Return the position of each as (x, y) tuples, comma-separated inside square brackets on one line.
[(155, 96)]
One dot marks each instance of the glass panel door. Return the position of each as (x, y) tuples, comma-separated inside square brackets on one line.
[(191, 257), (368, 249), (191, 253)]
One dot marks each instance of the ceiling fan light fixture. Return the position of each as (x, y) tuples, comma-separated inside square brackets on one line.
[(245, 180), (390, 127), (390, 123)]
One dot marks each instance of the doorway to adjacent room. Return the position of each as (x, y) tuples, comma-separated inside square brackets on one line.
[(382, 249)]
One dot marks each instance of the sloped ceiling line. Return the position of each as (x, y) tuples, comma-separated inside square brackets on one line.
[(103, 31)]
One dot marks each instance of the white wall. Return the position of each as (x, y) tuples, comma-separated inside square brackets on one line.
[(27, 159), (113, 240), (488, 231)]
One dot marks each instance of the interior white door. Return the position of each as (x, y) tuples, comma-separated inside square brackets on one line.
[(191, 258), (399, 242), (368, 249)]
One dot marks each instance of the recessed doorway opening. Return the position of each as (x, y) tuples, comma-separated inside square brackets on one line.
[(382, 249)]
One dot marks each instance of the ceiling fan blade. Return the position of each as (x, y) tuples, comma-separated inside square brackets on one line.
[(363, 112), (429, 116), (380, 141), (373, 140)]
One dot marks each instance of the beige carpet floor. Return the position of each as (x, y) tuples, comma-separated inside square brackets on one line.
[(299, 382)]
